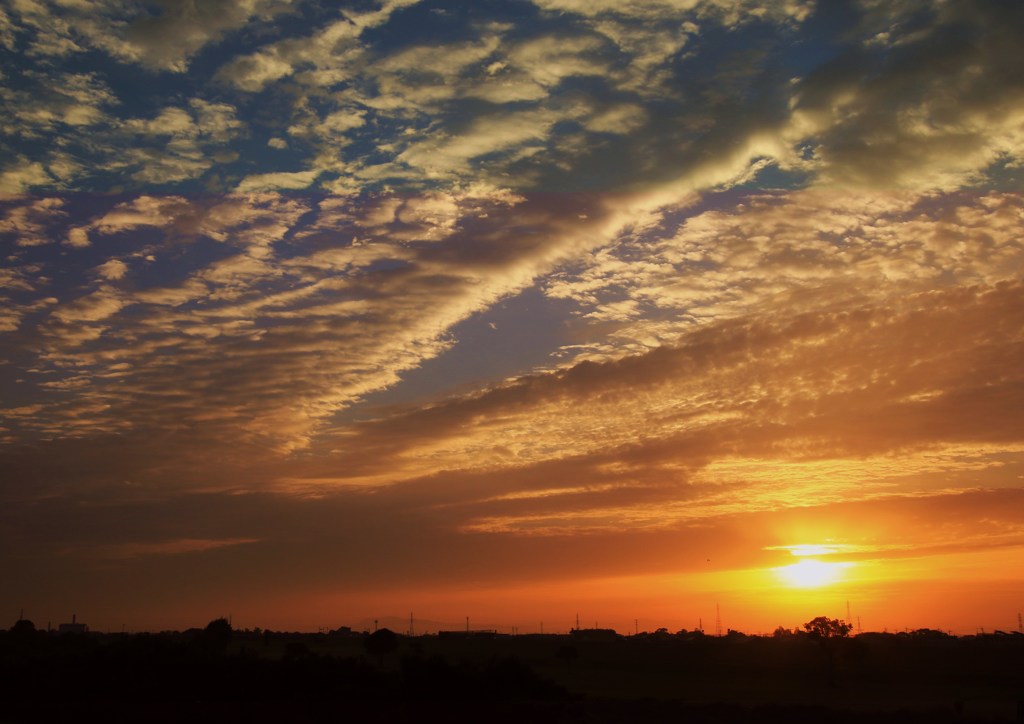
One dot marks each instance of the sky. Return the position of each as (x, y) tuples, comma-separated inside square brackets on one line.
[(665, 313)]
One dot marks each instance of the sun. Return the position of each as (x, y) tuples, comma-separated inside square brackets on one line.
[(811, 573)]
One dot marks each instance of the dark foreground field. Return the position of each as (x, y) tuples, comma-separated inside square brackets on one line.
[(222, 676)]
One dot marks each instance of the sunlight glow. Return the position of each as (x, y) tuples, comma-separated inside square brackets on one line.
[(810, 573)]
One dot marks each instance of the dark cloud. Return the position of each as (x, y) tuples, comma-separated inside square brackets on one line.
[(928, 103)]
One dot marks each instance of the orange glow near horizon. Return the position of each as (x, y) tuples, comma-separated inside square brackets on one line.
[(957, 591)]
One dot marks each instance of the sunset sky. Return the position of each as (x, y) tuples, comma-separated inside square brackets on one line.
[(316, 313)]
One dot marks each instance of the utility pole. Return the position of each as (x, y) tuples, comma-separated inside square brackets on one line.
[(718, 620)]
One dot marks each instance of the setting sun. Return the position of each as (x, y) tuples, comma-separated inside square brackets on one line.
[(811, 573)]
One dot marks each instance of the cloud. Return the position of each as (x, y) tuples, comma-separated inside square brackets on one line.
[(6, 30), (18, 281), (267, 314), (141, 211), (325, 50), (886, 392), (310, 307), (22, 175), (728, 12), (189, 139), (546, 94), (164, 548), (506, 133), (94, 307), (112, 270), (562, 102), (169, 39), (74, 113), (781, 249), (280, 180), (32, 222), (932, 108), (164, 36), (57, 102), (136, 538)]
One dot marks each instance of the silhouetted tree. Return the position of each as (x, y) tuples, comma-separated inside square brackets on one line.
[(217, 634), (24, 633), (23, 627), (828, 631), (826, 628)]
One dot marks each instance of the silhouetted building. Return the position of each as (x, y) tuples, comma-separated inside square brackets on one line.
[(73, 627)]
